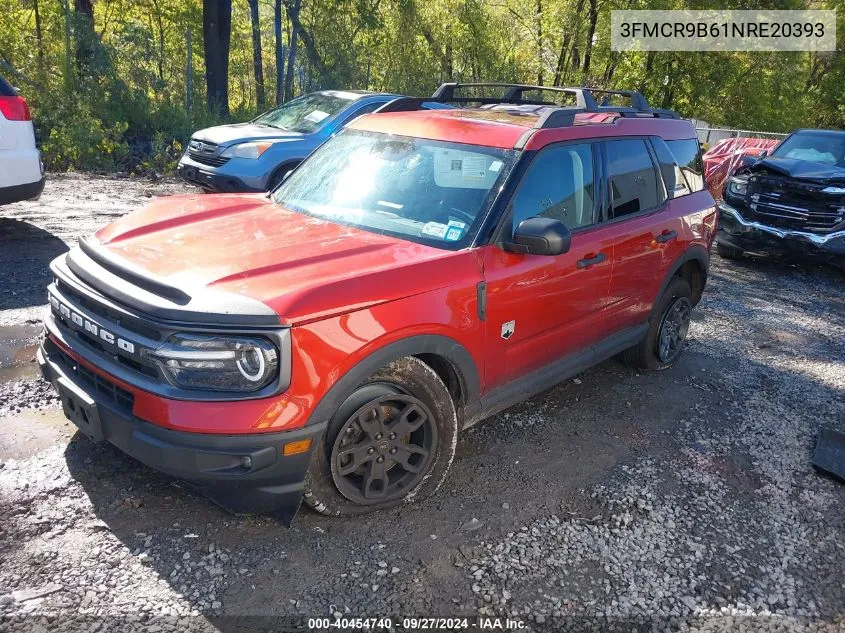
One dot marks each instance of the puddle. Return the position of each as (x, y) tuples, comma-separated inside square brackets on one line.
[(19, 372), (29, 432), (17, 351)]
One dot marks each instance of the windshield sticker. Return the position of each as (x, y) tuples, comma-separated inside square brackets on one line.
[(316, 116), (455, 230), (474, 167), (495, 166), (434, 229), (459, 169)]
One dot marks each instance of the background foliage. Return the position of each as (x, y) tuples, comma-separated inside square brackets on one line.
[(121, 84)]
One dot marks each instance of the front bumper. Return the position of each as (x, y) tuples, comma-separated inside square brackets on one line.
[(747, 235), (243, 473), (212, 179)]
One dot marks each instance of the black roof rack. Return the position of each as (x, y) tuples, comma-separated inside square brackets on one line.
[(555, 116), (514, 94)]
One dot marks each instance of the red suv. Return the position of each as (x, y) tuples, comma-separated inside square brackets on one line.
[(421, 271)]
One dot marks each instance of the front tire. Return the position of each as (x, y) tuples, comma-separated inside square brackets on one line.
[(667, 330), (392, 441)]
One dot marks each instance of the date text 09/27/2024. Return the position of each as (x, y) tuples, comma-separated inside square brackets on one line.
[(421, 623)]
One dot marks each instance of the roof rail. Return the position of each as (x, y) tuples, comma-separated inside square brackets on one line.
[(638, 101), (555, 116), (514, 94), (585, 98)]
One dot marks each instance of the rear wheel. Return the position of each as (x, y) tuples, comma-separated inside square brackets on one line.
[(728, 252), (390, 442), (667, 330)]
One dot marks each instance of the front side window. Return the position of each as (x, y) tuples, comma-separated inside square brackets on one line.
[(633, 180), (827, 149), (687, 153), (558, 185), (432, 192), (309, 112)]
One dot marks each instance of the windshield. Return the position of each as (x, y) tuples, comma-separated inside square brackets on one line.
[(308, 113), (828, 149), (425, 191)]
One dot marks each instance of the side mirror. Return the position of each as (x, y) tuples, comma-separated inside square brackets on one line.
[(540, 236)]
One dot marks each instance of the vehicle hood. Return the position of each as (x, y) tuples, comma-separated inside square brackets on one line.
[(239, 132), (304, 268), (801, 169)]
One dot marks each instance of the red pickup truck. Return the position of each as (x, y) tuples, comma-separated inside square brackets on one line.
[(421, 271)]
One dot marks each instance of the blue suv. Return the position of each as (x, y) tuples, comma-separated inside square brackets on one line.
[(256, 156)]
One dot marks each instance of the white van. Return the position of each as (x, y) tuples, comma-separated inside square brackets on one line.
[(21, 170)]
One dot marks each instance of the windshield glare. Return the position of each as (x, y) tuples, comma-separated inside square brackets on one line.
[(308, 113), (426, 191), (828, 149)]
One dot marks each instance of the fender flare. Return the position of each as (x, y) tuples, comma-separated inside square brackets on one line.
[(695, 252), (448, 348)]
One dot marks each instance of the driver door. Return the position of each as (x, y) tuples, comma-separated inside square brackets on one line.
[(541, 308)]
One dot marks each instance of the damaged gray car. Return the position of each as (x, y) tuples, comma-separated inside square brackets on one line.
[(789, 202)]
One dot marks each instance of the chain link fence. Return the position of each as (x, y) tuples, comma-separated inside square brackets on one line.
[(709, 136)]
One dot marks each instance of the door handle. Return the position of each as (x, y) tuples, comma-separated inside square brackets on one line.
[(666, 236), (598, 258)]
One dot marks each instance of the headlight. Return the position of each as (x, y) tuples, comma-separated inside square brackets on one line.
[(217, 363), (246, 150), (738, 187)]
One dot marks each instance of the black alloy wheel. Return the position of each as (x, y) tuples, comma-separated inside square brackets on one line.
[(384, 449), (389, 443), (673, 329)]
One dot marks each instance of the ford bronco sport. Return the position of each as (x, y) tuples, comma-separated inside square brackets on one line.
[(420, 271)]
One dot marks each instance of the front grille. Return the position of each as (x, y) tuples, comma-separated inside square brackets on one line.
[(107, 336), (124, 321), (206, 153), (103, 386), (790, 204), (211, 161)]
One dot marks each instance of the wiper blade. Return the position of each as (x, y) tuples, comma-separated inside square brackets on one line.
[(263, 124)]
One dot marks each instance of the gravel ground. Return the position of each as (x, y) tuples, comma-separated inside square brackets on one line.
[(677, 500)]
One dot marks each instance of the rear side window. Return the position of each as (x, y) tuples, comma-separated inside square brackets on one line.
[(5, 89), (673, 177), (558, 185), (687, 153), (632, 177)]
